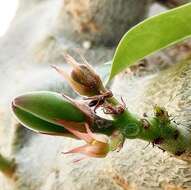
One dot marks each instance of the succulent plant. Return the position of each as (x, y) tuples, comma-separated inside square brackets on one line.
[(56, 114)]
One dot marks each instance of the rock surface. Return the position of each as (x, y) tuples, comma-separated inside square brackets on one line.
[(100, 21)]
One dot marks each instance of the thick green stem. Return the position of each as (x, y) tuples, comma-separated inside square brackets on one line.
[(159, 130), (7, 167)]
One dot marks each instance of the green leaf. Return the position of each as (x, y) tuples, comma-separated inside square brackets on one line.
[(151, 35), (36, 124), (41, 110)]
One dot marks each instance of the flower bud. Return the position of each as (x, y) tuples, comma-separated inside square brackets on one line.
[(41, 111), (83, 79)]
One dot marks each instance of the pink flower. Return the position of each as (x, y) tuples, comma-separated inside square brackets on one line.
[(97, 145)]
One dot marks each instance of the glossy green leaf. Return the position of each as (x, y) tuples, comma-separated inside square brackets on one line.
[(36, 124), (41, 111), (151, 35)]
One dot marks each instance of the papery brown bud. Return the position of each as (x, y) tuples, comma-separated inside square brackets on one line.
[(83, 79)]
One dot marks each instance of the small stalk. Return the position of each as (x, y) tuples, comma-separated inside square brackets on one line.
[(7, 167)]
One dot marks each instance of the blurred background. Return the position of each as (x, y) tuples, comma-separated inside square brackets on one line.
[(33, 35), (7, 12)]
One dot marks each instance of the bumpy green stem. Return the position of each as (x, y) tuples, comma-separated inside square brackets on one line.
[(159, 130), (7, 166)]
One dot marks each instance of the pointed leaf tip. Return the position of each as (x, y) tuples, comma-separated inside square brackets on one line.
[(151, 35)]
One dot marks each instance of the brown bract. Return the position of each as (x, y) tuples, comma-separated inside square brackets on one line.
[(83, 79)]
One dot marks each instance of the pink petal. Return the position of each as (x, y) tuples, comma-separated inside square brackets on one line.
[(92, 151), (101, 138), (73, 128), (95, 151), (80, 135)]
